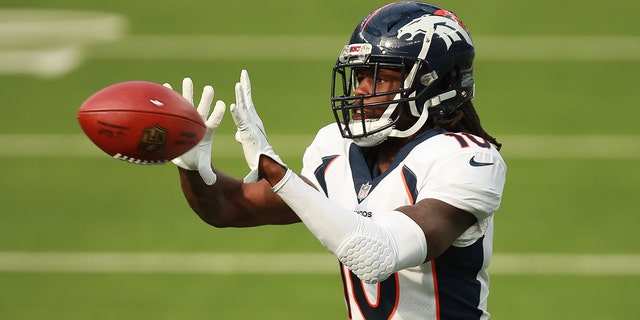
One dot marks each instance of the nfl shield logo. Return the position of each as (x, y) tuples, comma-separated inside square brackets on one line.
[(364, 191), (153, 139)]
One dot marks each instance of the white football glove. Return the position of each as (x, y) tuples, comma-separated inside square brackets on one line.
[(250, 133), (199, 157)]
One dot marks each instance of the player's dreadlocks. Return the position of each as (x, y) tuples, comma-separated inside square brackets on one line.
[(466, 119)]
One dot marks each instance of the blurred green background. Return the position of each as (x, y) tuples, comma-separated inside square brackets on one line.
[(556, 83)]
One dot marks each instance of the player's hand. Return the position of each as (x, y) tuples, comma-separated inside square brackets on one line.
[(250, 133), (199, 157)]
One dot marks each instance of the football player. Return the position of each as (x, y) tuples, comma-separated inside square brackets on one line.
[(402, 188)]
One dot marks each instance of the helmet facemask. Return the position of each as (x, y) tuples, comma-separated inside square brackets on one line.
[(367, 132)]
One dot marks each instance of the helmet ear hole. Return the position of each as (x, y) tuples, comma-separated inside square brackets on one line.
[(445, 81), (449, 78)]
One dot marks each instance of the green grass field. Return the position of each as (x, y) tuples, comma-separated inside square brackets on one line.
[(556, 82)]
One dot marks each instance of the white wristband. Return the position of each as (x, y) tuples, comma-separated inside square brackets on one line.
[(282, 181)]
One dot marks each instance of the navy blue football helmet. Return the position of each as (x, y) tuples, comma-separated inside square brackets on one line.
[(432, 50)]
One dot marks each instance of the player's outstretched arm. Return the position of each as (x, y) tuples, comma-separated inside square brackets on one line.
[(216, 197), (232, 203)]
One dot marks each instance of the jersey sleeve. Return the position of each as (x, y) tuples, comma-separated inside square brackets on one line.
[(472, 181), (313, 156)]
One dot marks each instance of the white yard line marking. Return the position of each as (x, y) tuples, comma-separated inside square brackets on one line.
[(46, 27), (273, 263), (323, 47), (63, 53), (288, 263), (225, 146), (566, 264), (570, 146), (50, 43), (558, 48)]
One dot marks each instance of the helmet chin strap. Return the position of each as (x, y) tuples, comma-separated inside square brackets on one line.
[(371, 125), (423, 116), (395, 133)]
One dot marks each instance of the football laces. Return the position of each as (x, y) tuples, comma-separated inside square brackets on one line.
[(122, 157)]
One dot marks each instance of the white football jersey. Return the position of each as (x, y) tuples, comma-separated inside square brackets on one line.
[(460, 169)]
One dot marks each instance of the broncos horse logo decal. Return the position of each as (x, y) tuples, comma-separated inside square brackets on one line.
[(445, 27)]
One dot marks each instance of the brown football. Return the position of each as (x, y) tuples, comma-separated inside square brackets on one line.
[(141, 122)]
